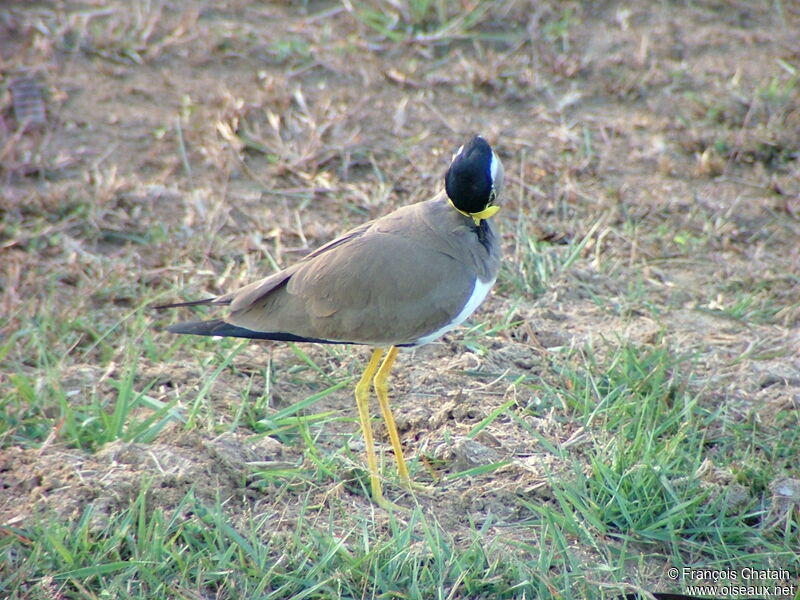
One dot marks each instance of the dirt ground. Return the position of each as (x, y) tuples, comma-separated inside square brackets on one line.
[(182, 149)]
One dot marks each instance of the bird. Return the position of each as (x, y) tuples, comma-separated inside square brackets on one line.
[(399, 281)]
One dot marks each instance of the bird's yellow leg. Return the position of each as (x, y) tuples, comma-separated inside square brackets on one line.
[(382, 391), (362, 400)]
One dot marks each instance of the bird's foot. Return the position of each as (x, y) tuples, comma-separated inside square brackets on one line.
[(414, 486)]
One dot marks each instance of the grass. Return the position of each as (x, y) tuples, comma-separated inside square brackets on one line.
[(421, 20), (538, 264), (658, 428), (644, 488), (647, 486), (145, 552)]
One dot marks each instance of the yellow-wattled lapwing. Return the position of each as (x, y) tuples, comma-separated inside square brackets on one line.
[(402, 280)]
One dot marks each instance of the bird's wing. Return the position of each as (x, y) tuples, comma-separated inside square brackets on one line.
[(389, 282)]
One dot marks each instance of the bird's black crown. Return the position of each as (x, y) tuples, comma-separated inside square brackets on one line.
[(468, 181)]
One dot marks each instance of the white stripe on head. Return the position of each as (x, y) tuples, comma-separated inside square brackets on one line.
[(459, 151), (493, 167)]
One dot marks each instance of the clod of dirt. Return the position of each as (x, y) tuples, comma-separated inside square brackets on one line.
[(465, 453), (737, 497), (66, 481), (785, 499)]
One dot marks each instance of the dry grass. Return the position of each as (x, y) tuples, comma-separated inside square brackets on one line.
[(645, 326)]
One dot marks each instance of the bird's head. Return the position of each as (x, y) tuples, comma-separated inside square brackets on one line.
[(474, 180)]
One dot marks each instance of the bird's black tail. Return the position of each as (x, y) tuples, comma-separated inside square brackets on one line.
[(180, 304), (219, 328)]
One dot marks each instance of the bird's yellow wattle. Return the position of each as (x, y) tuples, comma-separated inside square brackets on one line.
[(486, 213)]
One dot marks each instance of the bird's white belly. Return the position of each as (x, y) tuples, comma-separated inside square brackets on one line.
[(479, 293)]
